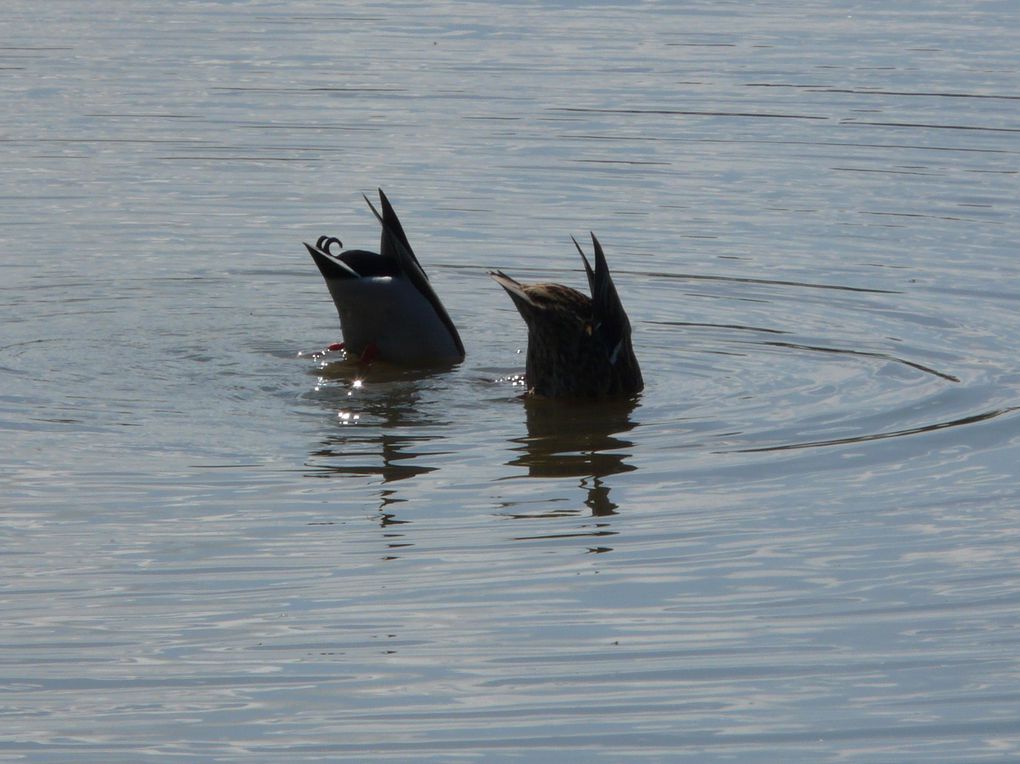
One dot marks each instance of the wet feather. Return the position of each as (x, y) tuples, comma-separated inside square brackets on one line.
[(578, 346), (385, 301)]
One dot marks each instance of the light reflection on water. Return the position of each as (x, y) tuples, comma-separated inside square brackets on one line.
[(798, 543)]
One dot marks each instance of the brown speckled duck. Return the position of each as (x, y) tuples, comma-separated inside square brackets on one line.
[(578, 346)]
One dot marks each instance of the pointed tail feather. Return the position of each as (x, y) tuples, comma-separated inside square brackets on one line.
[(603, 292), (587, 267), (390, 220), (329, 266), (394, 245), (394, 241)]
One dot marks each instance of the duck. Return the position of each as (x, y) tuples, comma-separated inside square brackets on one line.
[(388, 309), (578, 346)]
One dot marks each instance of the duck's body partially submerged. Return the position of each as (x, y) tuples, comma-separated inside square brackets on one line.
[(388, 309), (578, 346)]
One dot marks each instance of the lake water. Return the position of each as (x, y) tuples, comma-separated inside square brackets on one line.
[(800, 543)]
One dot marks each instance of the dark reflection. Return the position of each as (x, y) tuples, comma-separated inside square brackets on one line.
[(382, 414), (376, 454), (598, 499), (389, 523), (578, 439)]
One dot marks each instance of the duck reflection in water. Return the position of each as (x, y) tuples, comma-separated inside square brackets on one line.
[(578, 439), (391, 407), (582, 378), (388, 445)]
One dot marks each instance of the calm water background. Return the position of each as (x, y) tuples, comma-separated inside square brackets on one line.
[(799, 544)]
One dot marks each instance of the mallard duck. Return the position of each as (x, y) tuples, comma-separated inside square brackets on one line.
[(388, 309), (578, 346)]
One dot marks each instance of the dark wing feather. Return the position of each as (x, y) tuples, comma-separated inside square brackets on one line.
[(587, 267), (607, 306), (394, 246)]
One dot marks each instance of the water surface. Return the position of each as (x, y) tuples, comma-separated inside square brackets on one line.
[(799, 543)]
